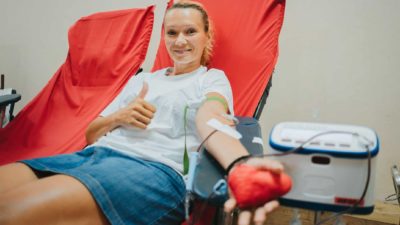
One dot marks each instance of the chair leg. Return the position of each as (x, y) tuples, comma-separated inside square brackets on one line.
[(2, 115), (223, 218)]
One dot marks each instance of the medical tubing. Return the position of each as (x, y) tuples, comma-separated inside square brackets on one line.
[(300, 147), (293, 150), (205, 139), (189, 182), (189, 185)]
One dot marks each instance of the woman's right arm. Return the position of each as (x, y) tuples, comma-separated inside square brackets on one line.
[(138, 113), (99, 127)]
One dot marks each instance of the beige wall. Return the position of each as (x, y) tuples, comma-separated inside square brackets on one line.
[(338, 62), (33, 37)]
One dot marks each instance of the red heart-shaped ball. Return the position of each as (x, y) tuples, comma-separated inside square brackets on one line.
[(252, 186)]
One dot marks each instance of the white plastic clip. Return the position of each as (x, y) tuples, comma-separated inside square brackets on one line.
[(258, 140)]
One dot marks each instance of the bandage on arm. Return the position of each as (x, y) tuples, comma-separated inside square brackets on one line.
[(223, 147)]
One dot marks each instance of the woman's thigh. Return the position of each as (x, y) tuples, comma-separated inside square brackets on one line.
[(15, 174), (57, 199)]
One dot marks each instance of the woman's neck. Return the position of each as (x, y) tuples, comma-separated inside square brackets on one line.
[(182, 69)]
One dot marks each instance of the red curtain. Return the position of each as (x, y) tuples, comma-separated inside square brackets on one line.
[(105, 50), (246, 46)]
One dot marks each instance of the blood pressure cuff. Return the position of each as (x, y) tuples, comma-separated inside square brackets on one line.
[(208, 171)]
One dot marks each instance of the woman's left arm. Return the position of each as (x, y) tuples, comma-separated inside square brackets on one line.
[(225, 149)]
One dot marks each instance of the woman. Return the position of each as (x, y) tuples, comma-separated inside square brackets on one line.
[(131, 173)]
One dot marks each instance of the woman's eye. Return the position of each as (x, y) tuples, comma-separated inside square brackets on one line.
[(191, 31), (171, 32)]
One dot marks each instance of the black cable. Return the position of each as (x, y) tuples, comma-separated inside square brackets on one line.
[(300, 147), (205, 139), (354, 207), (193, 219), (293, 150), (392, 197)]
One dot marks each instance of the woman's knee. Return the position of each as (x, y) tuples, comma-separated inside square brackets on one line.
[(15, 174), (49, 201)]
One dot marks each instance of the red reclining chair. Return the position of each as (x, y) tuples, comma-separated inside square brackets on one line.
[(105, 50)]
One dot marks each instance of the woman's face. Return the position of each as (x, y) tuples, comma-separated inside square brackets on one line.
[(185, 37)]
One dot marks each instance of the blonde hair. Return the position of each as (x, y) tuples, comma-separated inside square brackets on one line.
[(208, 28)]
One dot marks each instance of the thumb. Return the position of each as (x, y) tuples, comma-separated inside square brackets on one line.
[(144, 90)]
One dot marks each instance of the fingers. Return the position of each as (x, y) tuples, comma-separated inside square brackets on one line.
[(265, 163), (141, 118), (144, 90), (271, 206), (139, 112), (244, 218), (151, 108), (229, 205), (138, 124), (139, 115), (140, 100), (260, 214)]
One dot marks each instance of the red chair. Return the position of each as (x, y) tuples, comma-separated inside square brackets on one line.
[(105, 50)]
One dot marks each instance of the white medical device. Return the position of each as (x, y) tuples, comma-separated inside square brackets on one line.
[(330, 171)]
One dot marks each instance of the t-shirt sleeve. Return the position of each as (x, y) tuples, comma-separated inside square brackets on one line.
[(127, 94), (216, 81)]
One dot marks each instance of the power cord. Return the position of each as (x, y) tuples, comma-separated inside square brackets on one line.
[(392, 197), (354, 207)]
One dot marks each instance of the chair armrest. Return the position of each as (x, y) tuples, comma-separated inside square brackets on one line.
[(208, 171), (9, 99)]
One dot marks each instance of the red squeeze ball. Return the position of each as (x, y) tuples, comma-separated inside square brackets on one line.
[(253, 187)]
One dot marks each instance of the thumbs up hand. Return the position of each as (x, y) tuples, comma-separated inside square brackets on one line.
[(137, 113)]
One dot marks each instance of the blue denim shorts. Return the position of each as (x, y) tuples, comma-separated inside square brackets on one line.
[(128, 190)]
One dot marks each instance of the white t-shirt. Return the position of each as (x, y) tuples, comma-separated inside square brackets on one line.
[(163, 139)]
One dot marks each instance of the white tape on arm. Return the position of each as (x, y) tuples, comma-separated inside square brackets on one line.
[(216, 124)]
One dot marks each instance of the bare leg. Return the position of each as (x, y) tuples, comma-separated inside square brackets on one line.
[(57, 199), (14, 175)]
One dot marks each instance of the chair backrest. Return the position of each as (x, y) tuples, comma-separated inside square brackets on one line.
[(246, 46), (106, 49)]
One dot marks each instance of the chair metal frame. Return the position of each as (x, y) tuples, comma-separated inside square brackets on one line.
[(6, 100)]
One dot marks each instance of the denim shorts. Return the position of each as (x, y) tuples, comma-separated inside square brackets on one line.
[(129, 191)]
